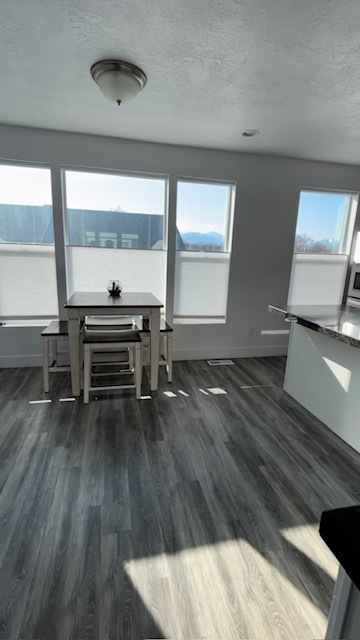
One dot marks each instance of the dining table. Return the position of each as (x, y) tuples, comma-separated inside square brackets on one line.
[(91, 303)]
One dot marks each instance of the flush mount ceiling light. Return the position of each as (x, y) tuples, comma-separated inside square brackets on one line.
[(250, 133), (119, 81)]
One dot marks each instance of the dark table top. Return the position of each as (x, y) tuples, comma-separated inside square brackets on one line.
[(103, 300), (340, 529), (341, 322)]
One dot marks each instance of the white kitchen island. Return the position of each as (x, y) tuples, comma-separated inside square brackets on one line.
[(323, 365)]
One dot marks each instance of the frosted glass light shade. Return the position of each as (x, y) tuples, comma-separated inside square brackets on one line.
[(118, 81)]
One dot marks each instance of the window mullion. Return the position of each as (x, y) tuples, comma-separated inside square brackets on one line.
[(59, 237)]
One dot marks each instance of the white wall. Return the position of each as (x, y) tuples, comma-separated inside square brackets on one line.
[(264, 227)]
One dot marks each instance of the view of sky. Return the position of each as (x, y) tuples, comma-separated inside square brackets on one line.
[(200, 207), (94, 191), (109, 192), (25, 185), (321, 215)]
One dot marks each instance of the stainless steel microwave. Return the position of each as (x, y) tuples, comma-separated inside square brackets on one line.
[(354, 284)]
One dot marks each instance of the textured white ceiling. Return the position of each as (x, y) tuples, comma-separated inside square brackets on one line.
[(290, 68)]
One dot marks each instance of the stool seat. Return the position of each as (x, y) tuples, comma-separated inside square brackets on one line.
[(165, 327), (111, 336), (56, 328)]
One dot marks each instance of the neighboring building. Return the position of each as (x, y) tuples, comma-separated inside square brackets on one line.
[(26, 224), (33, 225)]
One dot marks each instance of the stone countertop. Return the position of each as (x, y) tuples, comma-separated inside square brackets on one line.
[(341, 322), (340, 529)]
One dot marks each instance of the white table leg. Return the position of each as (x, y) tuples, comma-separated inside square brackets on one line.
[(45, 347), (169, 357), (154, 348), (138, 370), (74, 345)]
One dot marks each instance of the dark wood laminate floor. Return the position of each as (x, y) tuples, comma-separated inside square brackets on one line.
[(186, 517)]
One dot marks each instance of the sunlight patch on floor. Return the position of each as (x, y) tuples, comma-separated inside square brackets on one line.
[(307, 539), (226, 590), (255, 386)]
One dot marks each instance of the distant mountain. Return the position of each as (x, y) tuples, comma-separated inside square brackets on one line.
[(329, 242), (211, 238)]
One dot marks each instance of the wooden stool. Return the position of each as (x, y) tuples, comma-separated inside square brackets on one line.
[(165, 355), (57, 331), (107, 342)]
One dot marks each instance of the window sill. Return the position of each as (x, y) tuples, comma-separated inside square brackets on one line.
[(36, 322), (199, 320)]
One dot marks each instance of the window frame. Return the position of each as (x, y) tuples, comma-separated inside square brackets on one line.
[(229, 221), (38, 319), (352, 198), (208, 319), (303, 260), (121, 173)]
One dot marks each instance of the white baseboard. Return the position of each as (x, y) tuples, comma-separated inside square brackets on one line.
[(33, 360), (236, 352), (13, 362)]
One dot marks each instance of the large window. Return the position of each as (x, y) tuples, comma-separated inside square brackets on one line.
[(323, 223), (116, 229), (322, 244), (27, 258), (203, 243)]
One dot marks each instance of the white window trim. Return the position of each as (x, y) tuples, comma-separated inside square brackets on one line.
[(229, 222), (30, 320), (348, 222), (210, 256), (121, 173)]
